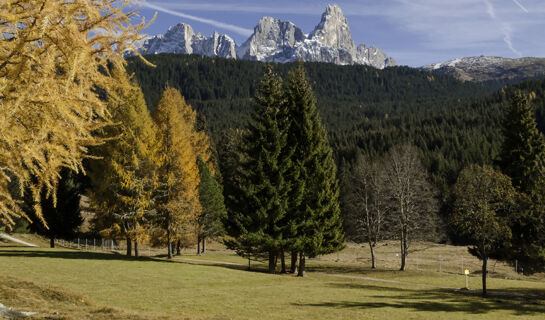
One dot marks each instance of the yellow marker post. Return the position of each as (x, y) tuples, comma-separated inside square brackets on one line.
[(466, 272)]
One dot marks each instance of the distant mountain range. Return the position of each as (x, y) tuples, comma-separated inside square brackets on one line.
[(484, 68), (274, 40)]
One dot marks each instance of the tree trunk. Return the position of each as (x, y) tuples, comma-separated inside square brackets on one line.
[(198, 245), (485, 261), (301, 271), (249, 261), (373, 259), (403, 252), (293, 267), (129, 247), (52, 242), (136, 251), (179, 248), (283, 261), (203, 245), (169, 248), (272, 262)]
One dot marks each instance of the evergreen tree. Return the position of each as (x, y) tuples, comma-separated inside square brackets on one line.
[(64, 217), (213, 207), (522, 157), (265, 189), (315, 189), (177, 196), (124, 175), (237, 223), (523, 146)]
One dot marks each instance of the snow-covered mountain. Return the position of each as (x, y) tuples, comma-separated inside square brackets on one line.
[(182, 39), (331, 41), (485, 68), (277, 41)]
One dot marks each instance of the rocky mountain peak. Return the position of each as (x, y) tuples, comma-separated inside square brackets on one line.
[(275, 40), (333, 30), (181, 38), (271, 37)]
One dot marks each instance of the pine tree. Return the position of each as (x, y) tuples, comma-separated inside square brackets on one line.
[(54, 55), (124, 176), (210, 221), (64, 217), (238, 225), (522, 158), (265, 189), (177, 195), (315, 190), (523, 146)]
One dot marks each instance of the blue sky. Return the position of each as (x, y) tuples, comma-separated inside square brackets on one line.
[(414, 32)]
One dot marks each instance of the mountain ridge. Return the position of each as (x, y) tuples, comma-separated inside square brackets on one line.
[(487, 68), (274, 40)]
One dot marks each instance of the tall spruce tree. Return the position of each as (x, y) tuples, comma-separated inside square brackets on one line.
[(522, 157), (315, 190), (238, 225), (523, 146), (266, 189), (213, 207), (63, 217)]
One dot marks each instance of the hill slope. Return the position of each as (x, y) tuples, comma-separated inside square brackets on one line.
[(490, 68)]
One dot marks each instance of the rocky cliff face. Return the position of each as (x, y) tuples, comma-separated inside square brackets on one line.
[(331, 41), (485, 68), (182, 39), (274, 40)]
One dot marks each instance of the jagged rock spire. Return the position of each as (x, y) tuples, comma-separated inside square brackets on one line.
[(275, 40)]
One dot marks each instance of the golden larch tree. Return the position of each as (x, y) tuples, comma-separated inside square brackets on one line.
[(177, 196), (123, 177), (54, 57)]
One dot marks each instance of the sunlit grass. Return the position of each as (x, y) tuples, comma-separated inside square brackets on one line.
[(151, 288)]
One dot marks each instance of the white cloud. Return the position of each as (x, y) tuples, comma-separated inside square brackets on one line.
[(240, 30)]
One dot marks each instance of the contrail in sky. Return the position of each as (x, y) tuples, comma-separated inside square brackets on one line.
[(219, 24), (520, 5), (505, 28)]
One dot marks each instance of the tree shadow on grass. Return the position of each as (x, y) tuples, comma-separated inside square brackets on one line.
[(62, 254), (519, 302), (85, 255)]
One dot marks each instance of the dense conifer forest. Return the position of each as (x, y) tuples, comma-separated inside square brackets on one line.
[(366, 111)]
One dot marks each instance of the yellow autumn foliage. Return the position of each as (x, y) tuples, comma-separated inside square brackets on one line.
[(124, 176), (181, 145), (53, 57)]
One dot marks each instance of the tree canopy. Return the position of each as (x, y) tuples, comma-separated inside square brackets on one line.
[(54, 55)]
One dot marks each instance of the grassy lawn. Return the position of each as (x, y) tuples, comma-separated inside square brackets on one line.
[(66, 284)]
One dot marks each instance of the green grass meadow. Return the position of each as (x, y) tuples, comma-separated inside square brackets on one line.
[(70, 284)]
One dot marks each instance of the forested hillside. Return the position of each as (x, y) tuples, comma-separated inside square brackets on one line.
[(366, 111), (221, 89)]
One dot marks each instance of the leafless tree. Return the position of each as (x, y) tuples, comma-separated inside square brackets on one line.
[(413, 199), (367, 199)]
